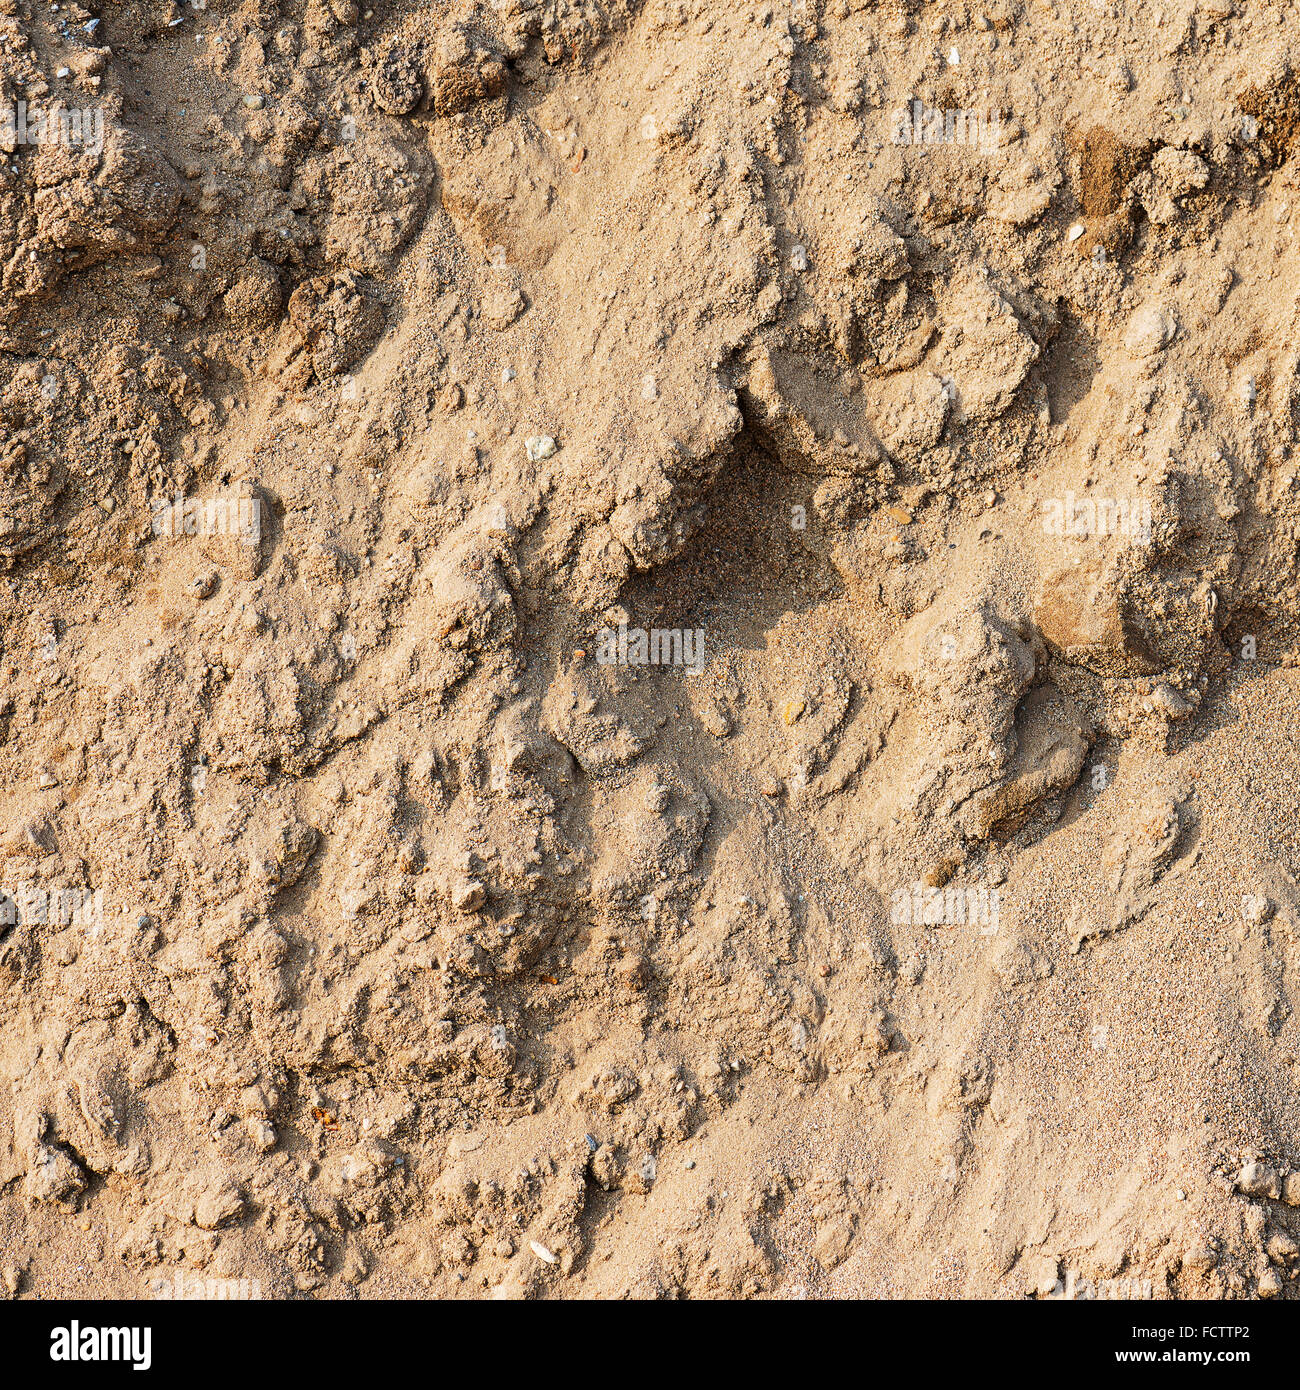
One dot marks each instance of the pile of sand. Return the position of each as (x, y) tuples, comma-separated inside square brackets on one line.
[(648, 649)]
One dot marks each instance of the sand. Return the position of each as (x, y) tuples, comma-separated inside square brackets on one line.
[(649, 650)]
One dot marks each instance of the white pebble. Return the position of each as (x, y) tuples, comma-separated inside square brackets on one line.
[(1255, 909)]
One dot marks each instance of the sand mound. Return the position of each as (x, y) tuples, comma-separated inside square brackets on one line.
[(648, 649)]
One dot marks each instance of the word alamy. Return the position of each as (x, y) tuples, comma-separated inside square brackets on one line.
[(1080, 1287), (78, 129), (64, 907), (217, 516), (659, 646), (1098, 516), (77, 1343), (192, 1288), (926, 125), (922, 906)]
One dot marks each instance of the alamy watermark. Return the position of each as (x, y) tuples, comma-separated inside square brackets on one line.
[(1081, 517), (656, 646), (923, 906), (213, 516), (919, 124), (62, 907), (77, 128), (1078, 1286), (74, 1342), (193, 1288)]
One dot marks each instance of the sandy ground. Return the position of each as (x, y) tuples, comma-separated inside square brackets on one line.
[(649, 649)]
